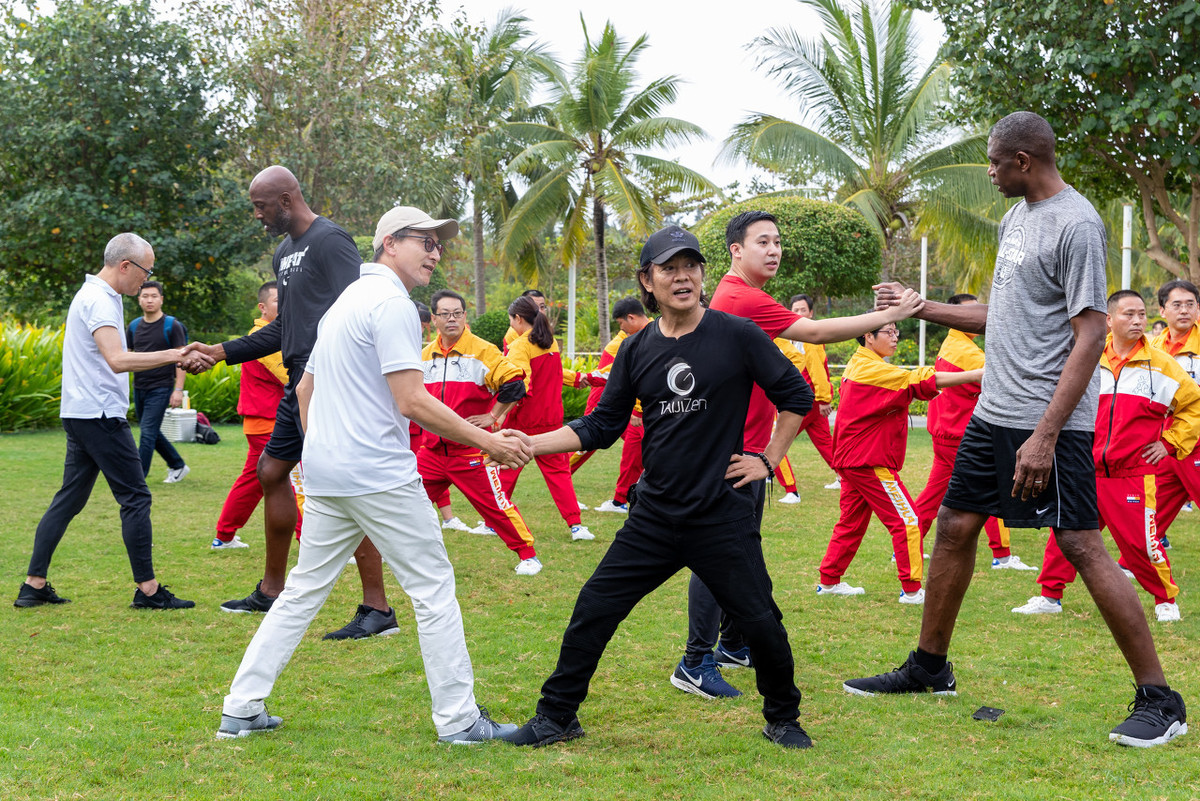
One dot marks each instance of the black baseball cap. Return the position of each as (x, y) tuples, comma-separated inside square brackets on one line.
[(664, 244)]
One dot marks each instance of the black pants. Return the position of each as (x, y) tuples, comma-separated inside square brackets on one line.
[(95, 446), (647, 551), (705, 618)]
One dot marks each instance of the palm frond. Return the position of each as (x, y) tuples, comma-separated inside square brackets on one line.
[(682, 179), (780, 146), (661, 132), (540, 206), (632, 204)]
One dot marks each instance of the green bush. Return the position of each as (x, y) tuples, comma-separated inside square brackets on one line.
[(30, 376), (828, 249), (491, 326), (575, 400), (421, 293), (216, 392)]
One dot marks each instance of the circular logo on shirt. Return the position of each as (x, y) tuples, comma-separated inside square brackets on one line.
[(680, 379)]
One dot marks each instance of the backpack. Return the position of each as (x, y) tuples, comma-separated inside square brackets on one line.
[(168, 324), (204, 430)]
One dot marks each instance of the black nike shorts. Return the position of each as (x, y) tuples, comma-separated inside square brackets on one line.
[(287, 438), (983, 479)]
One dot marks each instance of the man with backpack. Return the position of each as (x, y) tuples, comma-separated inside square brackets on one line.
[(154, 390)]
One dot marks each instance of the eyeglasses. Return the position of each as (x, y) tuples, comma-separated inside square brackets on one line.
[(431, 244), (1182, 305), (140, 267), (454, 315), (891, 332)]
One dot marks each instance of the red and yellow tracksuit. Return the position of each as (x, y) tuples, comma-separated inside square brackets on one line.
[(1178, 479), (631, 448), (466, 377), (570, 378), (541, 410), (259, 393), (948, 416), (1137, 394), (810, 361), (870, 439)]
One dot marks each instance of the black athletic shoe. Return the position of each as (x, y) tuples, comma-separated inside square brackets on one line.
[(541, 730), (163, 599), (1156, 716), (32, 596), (787, 733), (908, 678), (367, 622), (254, 602)]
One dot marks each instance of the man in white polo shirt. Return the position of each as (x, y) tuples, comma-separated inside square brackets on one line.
[(362, 385), (95, 401)]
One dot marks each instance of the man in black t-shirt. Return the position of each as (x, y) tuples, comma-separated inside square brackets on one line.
[(693, 370), (155, 390), (315, 262)]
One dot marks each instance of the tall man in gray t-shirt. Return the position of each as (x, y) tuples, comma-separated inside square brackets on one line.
[(1026, 455)]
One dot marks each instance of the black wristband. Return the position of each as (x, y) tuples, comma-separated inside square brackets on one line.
[(765, 461)]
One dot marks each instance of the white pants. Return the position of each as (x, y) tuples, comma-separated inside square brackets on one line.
[(403, 526)]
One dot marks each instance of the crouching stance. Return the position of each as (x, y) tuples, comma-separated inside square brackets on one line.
[(693, 370), (361, 385)]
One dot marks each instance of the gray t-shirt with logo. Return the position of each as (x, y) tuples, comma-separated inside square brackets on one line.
[(1050, 268)]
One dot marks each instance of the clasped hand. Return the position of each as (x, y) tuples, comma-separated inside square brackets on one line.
[(509, 448)]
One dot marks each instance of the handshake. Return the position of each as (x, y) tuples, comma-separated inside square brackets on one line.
[(508, 448), (196, 357)]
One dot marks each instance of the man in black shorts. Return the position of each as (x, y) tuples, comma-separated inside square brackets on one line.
[(693, 370), (1026, 454), (315, 262)]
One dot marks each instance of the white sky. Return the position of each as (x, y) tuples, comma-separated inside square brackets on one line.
[(702, 43)]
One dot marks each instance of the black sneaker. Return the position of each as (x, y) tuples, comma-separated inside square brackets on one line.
[(367, 622), (1156, 716), (541, 730), (254, 602), (32, 596), (787, 733), (908, 678), (163, 599)]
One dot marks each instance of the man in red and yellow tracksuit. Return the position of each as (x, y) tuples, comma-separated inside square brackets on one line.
[(1140, 388), (631, 316), (467, 373), (948, 416), (815, 369), (870, 438), (1178, 479)]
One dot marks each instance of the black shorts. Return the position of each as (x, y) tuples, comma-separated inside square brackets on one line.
[(983, 479), (287, 438)]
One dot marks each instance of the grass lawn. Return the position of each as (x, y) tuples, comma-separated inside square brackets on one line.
[(100, 701)]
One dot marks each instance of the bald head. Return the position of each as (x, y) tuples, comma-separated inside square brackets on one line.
[(278, 202)]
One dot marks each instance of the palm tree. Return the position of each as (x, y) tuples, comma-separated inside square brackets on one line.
[(876, 128), (592, 152), (494, 73)]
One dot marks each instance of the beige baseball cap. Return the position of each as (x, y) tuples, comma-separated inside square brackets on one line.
[(400, 217)]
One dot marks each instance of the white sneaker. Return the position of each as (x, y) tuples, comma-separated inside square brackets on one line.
[(612, 506), (175, 476), (581, 533), (582, 508), (841, 588), (1011, 562), (220, 545), (1128, 573), (529, 567), (1187, 507), (914, 598), (791, 497), (454, 524), (484, 529), (1167, 612), (924, 555), (1040, 605), (836, 484)]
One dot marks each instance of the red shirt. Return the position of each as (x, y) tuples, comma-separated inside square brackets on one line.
[(735, 296), (950, 411)]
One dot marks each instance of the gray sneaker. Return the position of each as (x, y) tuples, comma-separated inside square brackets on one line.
[(482, 730), (232, 728)]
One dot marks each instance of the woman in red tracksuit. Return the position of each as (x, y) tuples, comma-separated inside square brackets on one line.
[(541, 410)]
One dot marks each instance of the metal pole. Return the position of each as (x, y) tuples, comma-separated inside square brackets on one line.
[(1127, 246), (571, 312), (924, 289)]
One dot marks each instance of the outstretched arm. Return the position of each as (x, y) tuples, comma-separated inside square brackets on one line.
[(971, 318), (839, 329), (951, 379)]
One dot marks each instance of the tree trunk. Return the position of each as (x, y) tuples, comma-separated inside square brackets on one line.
[(477, 236), (598, 218)]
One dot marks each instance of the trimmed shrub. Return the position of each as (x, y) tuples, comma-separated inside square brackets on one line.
[(575, 400), (828, 250), (30, 376), (491, 326)]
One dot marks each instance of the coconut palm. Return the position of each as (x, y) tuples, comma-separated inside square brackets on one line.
[(874, 126), (494, 72), (593, 160)]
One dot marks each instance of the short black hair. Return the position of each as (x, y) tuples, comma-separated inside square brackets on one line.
[(533, 293), (862, 338), (735, 230), (648, 299), (264, 291), (801, 297), (423, 312), (627, 306), (1164, 291), (1025, 131), (152, 285), (961, 298), (442, 294), (1121, 294)]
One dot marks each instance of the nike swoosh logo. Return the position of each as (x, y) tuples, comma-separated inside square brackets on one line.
[(744, 661), (950, 684), (1043, 511), (695, 681)]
